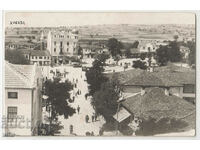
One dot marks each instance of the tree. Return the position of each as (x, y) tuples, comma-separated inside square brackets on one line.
[(114, 46), (192, 55), (80, 51), (165, 125), (162, 55), (102, 58), (174, 54), (15, 57), (143, 56), (95, 76), (139, 64), (176, 37), (135, 44), (58, 94), (105, 101), (128, 53), (169, 52)]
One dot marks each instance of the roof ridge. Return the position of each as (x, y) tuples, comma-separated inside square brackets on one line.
[(20, 75)]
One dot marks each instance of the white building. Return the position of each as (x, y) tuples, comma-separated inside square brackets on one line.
[(128, 62), (22, 100), (39, 57), (61, 43), (149, 47)]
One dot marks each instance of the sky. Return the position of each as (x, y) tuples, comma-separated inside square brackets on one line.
[(55, 19)]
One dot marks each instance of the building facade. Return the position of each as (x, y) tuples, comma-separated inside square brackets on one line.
[(62, 43), (22, 100), (39, 57)]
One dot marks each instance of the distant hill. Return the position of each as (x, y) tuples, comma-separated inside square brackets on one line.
[(129, 33)]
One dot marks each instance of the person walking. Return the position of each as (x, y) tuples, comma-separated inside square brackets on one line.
[(71, 129), (78, 109), (100, 132), (92, 118), (92, 133), (86, 95), (95, 116), (87, 118)]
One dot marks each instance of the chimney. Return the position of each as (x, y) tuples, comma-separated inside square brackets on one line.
[(167, 91), (143, 91)]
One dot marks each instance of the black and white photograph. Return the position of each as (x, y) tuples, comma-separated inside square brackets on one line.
[(99, 74)]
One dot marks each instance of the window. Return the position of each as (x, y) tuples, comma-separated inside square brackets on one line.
[(40, 57), (35, 57), (188, 88), (44, 57), (32, 57), (12, 113), (54, 49), (26, 56), (190, 99), (55, 43), (67, 43), (12, 95), (67, 49), (74, 49)]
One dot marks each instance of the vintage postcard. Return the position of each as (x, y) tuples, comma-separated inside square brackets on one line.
[(99, 74)]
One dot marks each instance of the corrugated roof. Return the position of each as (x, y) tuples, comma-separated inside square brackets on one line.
[(19, 76)]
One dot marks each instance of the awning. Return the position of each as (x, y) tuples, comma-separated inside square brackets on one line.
[(121, 115)]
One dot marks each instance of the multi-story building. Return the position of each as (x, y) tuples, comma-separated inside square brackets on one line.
[(22, 100), (62, 43), (40, 57), (12, 45)]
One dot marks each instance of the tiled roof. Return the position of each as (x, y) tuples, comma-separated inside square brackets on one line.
[(163, 78), (156, 104), (19, 76), (35, 52), (125, 76), (145, 79), (40, 53)]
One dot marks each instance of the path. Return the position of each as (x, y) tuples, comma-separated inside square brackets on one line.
[(80, 127)]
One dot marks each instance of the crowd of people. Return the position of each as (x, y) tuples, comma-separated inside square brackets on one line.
[(88, 118)]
